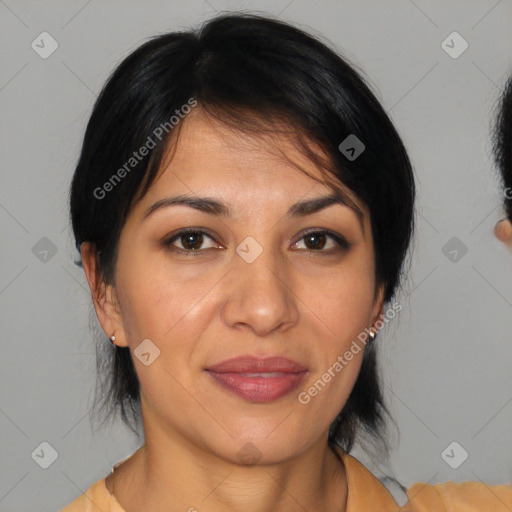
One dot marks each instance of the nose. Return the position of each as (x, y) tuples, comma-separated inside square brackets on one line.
[(260, 295)]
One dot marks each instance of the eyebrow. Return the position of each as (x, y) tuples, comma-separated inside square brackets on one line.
[(217, 208)]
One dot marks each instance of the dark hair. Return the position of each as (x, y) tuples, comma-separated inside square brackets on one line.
[(252, 73), (503, 144)]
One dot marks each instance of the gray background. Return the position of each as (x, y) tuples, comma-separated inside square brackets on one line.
[(446, 361)]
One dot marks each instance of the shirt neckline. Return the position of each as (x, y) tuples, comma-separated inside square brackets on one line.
[(363, 487)]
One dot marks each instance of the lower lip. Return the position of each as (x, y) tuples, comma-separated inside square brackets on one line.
[(259, 389)]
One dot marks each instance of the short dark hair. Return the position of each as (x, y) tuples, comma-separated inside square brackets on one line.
[(241, 68), (502, 138)]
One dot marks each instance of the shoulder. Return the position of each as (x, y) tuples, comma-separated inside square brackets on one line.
[(95, 498), (365, 491), (463, 497)]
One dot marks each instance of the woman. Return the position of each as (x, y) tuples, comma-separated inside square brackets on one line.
[(243, 206)]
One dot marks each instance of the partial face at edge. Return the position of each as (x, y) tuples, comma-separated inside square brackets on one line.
[(503, 231)]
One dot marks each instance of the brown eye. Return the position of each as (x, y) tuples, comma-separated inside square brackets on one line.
[(321, 241), (315, 240), (190, 241)]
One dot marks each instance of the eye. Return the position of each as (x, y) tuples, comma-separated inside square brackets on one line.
[(321, 241), (191, 240)]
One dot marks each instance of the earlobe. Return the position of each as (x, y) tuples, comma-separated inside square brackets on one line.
[(503, 231), (103, 296)]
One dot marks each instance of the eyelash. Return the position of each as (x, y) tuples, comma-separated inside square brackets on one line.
[(338, 239)]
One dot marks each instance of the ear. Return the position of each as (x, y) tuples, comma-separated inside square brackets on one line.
[(503, 231), (103, 296), (378, 307)]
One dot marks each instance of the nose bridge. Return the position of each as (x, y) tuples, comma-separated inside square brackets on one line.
[(261, 295), (263, 269)]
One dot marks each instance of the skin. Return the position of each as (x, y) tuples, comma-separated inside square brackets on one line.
[(202, 309), (503, 231)]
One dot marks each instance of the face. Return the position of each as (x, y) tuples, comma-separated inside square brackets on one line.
[(255, 276)]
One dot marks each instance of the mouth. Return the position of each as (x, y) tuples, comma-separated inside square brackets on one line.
[(258, 380)]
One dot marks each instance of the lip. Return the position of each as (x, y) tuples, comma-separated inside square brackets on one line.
[(251, 364), (258, 380)]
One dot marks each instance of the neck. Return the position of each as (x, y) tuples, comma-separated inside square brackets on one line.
[(170, 473)]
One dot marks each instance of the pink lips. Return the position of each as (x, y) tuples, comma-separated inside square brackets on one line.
[(258, 380)]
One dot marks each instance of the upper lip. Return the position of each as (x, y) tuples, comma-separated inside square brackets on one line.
[(251, 364)]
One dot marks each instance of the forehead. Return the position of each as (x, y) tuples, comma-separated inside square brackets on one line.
[(211, 156)]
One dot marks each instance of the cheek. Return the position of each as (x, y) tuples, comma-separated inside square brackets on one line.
[(342, 300), (159, 300), (173, 310), (339, 309)]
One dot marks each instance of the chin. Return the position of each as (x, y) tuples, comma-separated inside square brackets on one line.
[(263, 452), (258, 448)]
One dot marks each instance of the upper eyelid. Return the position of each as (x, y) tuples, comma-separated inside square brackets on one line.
[(184, 231), (328, 232)]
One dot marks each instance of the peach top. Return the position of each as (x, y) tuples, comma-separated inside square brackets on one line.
[(365, 493)]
